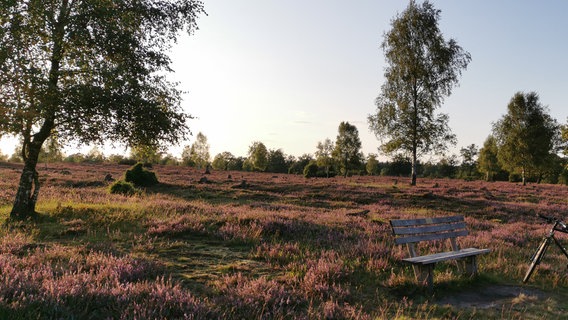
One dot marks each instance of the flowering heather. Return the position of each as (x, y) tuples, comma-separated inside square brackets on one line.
[(321, 278), (257, 298), (63, 282), (264, 246)]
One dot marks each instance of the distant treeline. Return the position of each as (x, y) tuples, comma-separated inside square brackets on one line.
[(278, 162), (531, 158)]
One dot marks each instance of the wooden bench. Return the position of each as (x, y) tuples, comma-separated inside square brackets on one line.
[(413, 231)]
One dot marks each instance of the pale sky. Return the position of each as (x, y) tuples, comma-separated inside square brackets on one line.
[(287, 73)]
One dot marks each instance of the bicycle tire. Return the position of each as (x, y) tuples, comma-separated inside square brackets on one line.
[(537, 258)]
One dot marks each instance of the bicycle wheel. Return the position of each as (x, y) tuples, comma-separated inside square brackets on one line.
[(537, 258)]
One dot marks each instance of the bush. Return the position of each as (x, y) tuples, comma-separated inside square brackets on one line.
[(140, 176), (563, 177), (515, 177), (122, 187), (311, 170)]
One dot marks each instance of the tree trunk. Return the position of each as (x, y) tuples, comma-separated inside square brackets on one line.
[(26, 198), (523, 177), (414, 170), (415, 121)]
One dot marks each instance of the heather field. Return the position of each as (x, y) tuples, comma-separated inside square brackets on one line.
[(263, 246)]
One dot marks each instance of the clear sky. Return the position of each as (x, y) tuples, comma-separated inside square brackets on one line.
[(286, 73)]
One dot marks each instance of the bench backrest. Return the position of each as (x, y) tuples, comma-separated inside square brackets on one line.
[(409, 231)]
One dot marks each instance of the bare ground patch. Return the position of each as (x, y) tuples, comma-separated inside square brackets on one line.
[(495, 296)]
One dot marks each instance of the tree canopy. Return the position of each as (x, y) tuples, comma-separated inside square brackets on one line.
[(258, 156), (422, 68), (223, 161), (90, 71), (197, 155), (373, 167), (347, 152), (324, 156), (145, 154), (487, 161), (527, 136)]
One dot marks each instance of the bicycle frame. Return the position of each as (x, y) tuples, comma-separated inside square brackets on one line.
[(541, 250)]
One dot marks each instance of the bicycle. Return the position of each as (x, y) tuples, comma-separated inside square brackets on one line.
[(558, 225)]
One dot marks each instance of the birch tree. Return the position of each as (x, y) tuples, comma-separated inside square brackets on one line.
[(422, 68), (89, 71)]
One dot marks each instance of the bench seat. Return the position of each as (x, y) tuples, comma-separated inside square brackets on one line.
[(448, 255)]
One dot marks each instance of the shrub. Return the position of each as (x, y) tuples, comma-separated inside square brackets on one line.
[(563, 177), (311, 170), (122, 187), (140, 176)]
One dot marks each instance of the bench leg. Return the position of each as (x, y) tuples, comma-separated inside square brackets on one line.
[(425, 275), (470, 266)]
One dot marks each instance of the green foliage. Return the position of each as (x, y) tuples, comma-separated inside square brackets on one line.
[(553, 173), (146, 153), (447, 167), (347, 152), (123, 187), (421, 70), (468, 168), (236, 164), (95, 155), (51, 150), (141, 177), (91, 71), (169, 160), (105, 79), (373, 166), (247, 165), (526, 136), (399, 166), (297, 167), (197, 155), (75, 158), (276, 162), (222, 160), (564, 139), (487, 162), (258, 156), (120, 159), (563, 176), (227, 161), (311, 170), (324, 155), (186, 159)]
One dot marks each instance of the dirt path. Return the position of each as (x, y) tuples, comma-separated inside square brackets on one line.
[(494, 297)]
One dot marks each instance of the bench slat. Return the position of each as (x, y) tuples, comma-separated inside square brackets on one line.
[(429, 228), (442, 256), (425, 221), (431, 236)]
